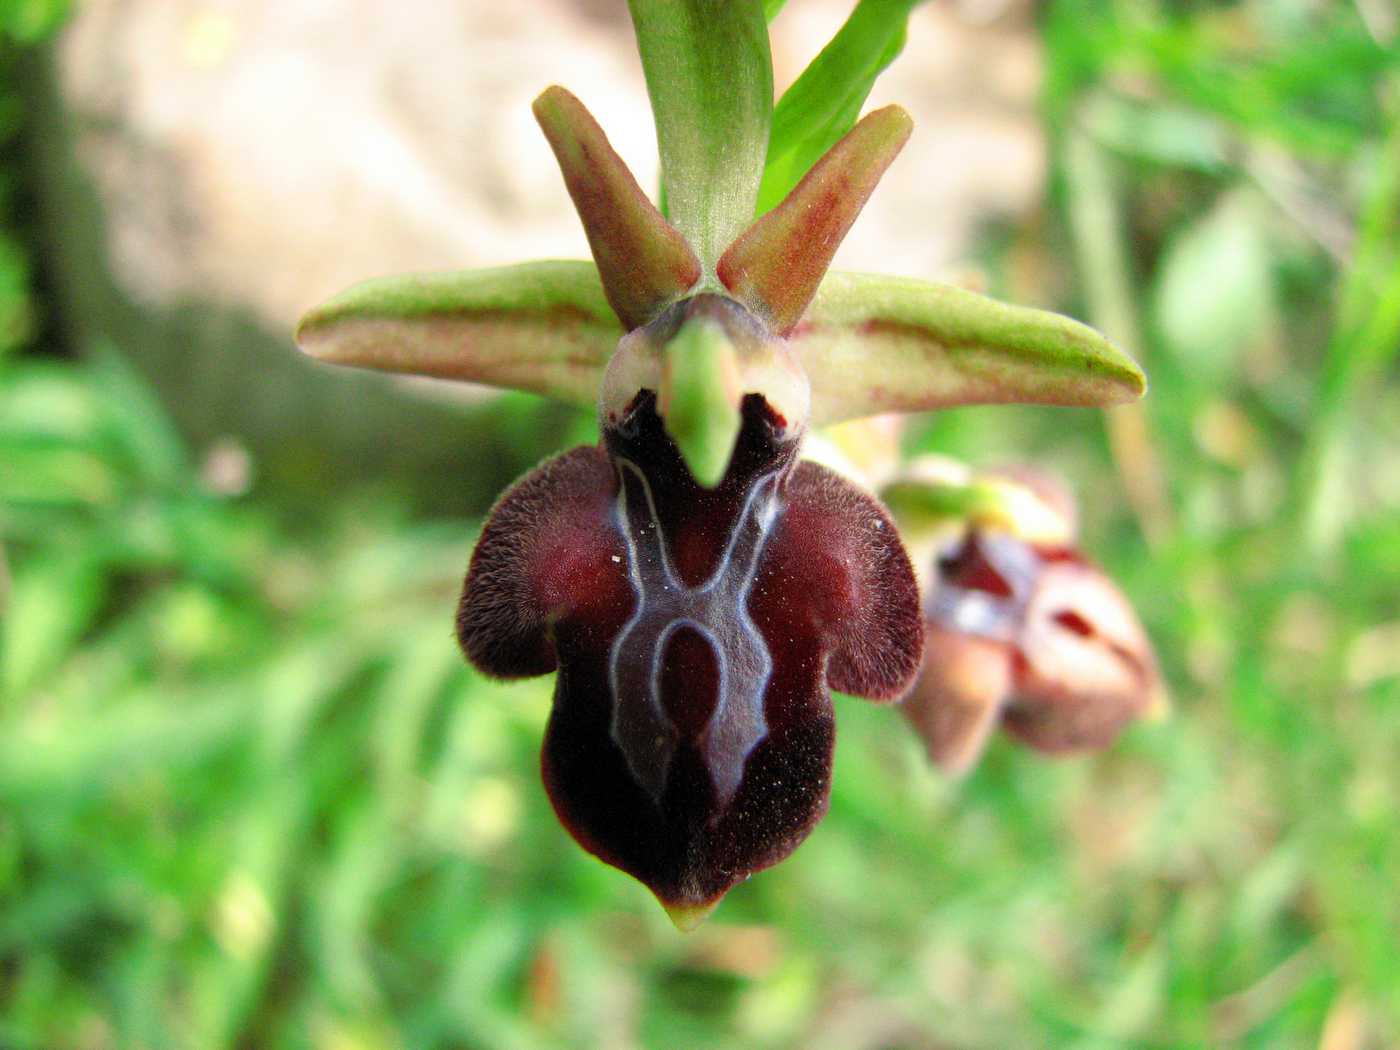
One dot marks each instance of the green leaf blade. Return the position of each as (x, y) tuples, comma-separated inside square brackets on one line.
[(824, 102), (544, 327)]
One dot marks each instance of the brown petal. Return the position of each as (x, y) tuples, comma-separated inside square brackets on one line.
[(777, 264), (643, 260)]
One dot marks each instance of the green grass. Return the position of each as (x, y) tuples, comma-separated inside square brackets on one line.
[(250, 796)]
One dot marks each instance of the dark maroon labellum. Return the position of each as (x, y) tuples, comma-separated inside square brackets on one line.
[(695, 632)]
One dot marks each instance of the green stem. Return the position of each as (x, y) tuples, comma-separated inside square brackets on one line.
[(710, 77)]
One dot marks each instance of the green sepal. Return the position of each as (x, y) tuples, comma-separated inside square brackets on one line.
[(644, 262), (710, 76), (874, 344), (542, 327)]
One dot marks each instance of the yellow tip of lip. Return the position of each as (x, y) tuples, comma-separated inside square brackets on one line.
[(688, 916)]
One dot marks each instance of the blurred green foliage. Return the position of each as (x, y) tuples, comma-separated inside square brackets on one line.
[(249, 796), (31, 21), (22, 22)]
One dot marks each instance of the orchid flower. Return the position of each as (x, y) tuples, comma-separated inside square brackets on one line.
[(696, 587), (1022, 631)]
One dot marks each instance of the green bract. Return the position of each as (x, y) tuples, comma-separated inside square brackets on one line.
[(825, 101), (710, 77)]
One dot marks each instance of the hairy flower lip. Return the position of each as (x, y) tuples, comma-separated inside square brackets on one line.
[(691, 800)]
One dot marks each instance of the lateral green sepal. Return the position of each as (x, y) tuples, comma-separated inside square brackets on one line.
[(874, 344), (542, 327)]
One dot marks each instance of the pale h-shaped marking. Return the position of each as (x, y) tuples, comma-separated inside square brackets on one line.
[(716, 609)]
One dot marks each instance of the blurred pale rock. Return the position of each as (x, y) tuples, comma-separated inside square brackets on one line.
[(269, 152)]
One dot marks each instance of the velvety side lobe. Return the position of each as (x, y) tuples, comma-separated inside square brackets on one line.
[(862, 592), (548, 552), (545, 327)]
